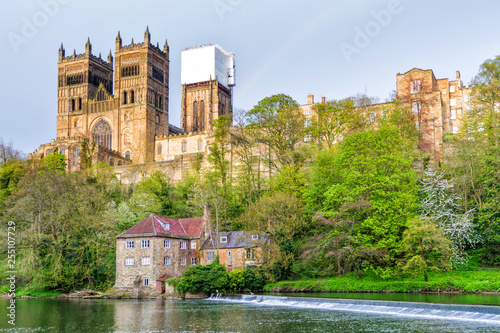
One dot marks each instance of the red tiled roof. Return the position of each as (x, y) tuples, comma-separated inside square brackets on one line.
[(157, 225), (193, 226)]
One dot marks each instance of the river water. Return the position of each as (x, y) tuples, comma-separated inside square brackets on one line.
[(262, 313)]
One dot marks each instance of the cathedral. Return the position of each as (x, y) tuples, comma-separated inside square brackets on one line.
[(116, 109)]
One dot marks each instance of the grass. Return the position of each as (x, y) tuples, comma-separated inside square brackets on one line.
[(37, 293), (452, 281)]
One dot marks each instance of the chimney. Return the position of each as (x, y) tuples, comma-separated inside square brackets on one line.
[(323, 100), (206, 221), (458, 75), (310, 99)]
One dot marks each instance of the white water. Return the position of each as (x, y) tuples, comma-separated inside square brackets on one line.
[(476, 313)]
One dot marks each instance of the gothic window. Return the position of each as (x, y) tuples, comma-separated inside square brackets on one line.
[(76, 152), (124, 97), (79, 104), (157, 118), (101, 134), (72, 105), (132, 97), (202, 115), (195, 116), (127, 154), (159, 149)]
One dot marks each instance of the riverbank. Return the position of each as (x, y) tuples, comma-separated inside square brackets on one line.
[(483, 281)]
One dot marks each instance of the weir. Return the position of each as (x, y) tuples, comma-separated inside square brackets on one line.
[(477, 313)]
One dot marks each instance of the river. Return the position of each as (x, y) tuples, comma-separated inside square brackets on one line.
[(259, 313)]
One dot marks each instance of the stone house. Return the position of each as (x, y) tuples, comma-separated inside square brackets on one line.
[(155, 249), (236, 249)]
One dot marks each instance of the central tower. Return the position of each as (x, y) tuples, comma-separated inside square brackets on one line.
[(207, 76)]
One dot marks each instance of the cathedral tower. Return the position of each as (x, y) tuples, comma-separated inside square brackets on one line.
[(141, 90), (207, 76)]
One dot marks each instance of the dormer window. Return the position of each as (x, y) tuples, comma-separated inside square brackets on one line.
[(415, 86), (223, 239)]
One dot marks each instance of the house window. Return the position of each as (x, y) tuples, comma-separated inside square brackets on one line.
[(415, 107), (307, 122), (183, 244), (249, 253), (159, 150), (167, 261), (193, 244), (183, 261), (373, 117), (306, 112), (453, 114), (383, 114), (145, 243), (146, 261), (200, 145), (229, 268), (184, 146), (63, 151), (452, 89), (146, 282), (255, 237), (223, 239), (166, 244), (454, 130), (453, 102), (210, 256), (129, 261), (415, 86), (130, 244), (229, 254), (193, 261), (444, 91)]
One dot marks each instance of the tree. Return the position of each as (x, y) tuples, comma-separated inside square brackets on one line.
[(9, 154), (441, 207), (425, 248), (55, 162), (281, 216), (219, 148), (279, 124), (368, 189)]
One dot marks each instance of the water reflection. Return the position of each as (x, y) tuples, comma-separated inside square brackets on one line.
[(83, 315)]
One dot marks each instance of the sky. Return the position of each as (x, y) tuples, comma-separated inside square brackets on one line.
[(328, 48)]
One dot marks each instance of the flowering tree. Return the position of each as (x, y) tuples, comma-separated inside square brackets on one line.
[(440, 206)]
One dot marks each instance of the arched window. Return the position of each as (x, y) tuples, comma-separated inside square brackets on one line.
[(202, 115), (157, 118), (132, 97), (72, 105), (159, 149), (124, 97), (195, 116), (119, 163), (76, 153), (79, 104), (127, 154), (102, 134), (200, 145)]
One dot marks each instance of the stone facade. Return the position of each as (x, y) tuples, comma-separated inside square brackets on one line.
[(155, 249)]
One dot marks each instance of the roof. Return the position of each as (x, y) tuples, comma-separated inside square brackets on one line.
[(155, 225), (236, 239)]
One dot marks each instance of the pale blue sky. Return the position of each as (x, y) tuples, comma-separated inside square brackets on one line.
[(292, 47)]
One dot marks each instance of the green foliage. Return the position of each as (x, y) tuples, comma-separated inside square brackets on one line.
[(207, 279), (281, 216), (55, 162), (425, 248), (364, 193)]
